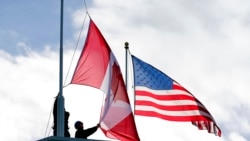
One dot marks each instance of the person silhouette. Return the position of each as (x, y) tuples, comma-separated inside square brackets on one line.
[(66, 118), (84, 133)]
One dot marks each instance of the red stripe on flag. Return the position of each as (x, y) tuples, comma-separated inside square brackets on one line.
[(169, 108), (169, 98), (164, 97), (167, 117)]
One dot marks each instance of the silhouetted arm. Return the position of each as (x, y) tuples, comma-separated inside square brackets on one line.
[(90, 131)]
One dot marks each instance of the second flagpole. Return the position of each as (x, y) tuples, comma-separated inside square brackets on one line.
[(126, 72), (126, 64)]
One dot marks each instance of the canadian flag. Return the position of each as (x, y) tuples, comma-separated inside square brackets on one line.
[(97, 67)]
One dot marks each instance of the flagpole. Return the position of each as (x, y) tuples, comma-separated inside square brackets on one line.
[(60, 102), (126, 71), (126, 64)]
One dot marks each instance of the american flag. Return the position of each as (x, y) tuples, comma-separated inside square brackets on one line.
[(158, 95)]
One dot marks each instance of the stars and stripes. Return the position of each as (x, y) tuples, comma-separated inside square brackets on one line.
[(158, 95)]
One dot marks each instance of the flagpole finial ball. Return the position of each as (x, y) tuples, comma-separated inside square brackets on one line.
[(126, 45)]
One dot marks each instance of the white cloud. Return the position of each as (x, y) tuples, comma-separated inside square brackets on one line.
[(236, 137), (203, 45), (25, 95)]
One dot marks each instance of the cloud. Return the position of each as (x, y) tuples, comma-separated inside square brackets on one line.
[(31, 81), (203, 45), (21, 95), (236, 137)]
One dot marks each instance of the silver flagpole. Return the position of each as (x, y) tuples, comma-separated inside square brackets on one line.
[(60, 98), (126, 64), (126, 72)]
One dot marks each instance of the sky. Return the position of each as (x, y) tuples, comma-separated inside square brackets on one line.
[(204, 45)]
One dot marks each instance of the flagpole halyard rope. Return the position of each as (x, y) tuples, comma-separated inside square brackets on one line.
[(86, 6), (48, 123)]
